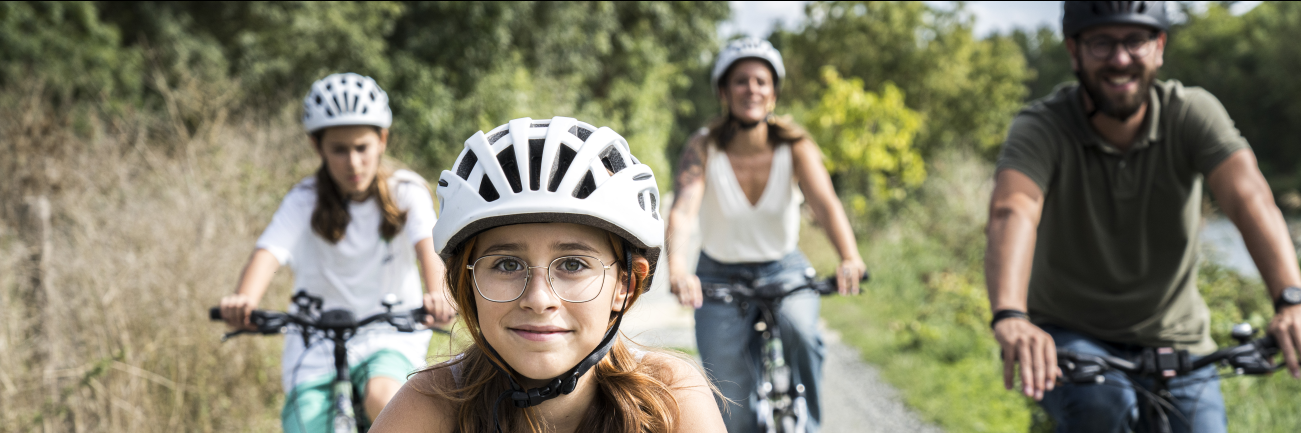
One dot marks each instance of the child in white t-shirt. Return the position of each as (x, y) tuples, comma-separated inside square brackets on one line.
[(352, 233)]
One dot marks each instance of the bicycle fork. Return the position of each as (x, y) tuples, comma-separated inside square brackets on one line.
[(345, 417)]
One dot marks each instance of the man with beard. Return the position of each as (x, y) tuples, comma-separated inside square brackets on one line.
[(1093, 227)]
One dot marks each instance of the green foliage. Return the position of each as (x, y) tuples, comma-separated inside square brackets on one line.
[(1046, 55), (868, 139), (966, 88), (1248, 62), (450, 67), (65, 44)]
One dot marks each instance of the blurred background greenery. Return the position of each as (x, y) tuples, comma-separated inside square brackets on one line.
[(162, 135)]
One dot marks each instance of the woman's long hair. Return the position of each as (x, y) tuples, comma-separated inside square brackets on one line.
[(781, 130), (330, 218), (632, 396)]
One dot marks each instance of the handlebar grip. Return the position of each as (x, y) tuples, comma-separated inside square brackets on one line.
[(214, 314)]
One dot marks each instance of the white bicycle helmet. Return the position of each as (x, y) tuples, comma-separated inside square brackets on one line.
[(747, 48), (541, 171), (558, 170), (345, 99)]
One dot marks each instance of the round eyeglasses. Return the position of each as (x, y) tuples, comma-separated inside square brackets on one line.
[(572, 278)]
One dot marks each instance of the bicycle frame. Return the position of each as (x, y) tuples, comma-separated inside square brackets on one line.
[(782, 406)]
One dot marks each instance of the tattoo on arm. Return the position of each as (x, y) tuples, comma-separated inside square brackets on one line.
[(691, 166)]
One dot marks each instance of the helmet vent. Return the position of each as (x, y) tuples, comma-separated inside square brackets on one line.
[(539, 124), (642, 176), (467, 164), (492, 139), (364, 110), (563, 159), (506, 159), (581, 133), (355, 99), (654, 201), (535, 162), (610, 158), (487, 191), (1142, 7), (586, 187)]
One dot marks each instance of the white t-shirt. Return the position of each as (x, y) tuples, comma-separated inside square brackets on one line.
[(354, 273)]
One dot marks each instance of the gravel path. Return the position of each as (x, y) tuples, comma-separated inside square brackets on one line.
[(857, 400)]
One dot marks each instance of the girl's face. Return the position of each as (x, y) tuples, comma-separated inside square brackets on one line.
[(539, 334), (748, 90), (352, 154)]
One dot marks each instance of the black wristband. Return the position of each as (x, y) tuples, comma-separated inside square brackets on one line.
[(1007, 314)]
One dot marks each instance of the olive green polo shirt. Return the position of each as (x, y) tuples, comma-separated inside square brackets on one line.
[(1116, 255)]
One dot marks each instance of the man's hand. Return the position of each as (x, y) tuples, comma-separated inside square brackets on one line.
[(848, 275), (687, 287), (1024, 343), (1286, 329), (440, 309), (235, 310)]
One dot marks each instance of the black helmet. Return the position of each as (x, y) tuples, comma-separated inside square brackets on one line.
[(1077, 15)]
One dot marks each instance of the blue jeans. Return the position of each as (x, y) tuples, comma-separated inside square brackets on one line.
[(1114, 406), (730, 347)]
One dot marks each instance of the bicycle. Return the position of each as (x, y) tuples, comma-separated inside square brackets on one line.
[(337, 325), (782, 408), (1249, 357)]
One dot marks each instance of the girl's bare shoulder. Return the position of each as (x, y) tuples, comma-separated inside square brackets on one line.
[(419, 406)]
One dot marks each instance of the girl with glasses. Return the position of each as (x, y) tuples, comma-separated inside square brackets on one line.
[(551, 230)]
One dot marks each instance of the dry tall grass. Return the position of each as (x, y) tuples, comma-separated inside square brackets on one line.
[(151, 221)]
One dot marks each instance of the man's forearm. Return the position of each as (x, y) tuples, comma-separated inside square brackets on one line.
[(1009, 254), (1265, 232)]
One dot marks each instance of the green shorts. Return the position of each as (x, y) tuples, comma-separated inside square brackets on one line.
[(308, 407)]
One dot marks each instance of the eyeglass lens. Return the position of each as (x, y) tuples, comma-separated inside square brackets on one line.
[(572, 278), (1104, 47)]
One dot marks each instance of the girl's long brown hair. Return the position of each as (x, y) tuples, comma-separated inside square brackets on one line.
[(632, 396), (330, 218)]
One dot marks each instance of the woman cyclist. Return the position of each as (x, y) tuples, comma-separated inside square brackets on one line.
[(741, 181), (551, 231), (352, 233)]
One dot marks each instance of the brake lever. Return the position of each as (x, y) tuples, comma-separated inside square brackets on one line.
[(228, 335)]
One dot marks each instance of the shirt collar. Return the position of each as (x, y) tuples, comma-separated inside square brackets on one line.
[(1151, 123)]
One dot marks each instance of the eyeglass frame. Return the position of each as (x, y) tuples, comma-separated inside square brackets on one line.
[(1114, 43), (528, 273)]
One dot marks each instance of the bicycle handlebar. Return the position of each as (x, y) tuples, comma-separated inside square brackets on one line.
[(274, 322), (1251, 357), (824, 287)]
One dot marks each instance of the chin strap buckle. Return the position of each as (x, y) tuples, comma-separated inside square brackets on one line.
[(536, 396)]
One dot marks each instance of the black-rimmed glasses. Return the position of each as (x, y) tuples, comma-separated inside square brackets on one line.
[(1103, 47), (500, 278)]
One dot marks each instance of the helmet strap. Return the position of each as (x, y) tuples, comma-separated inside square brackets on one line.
[(567, 381)]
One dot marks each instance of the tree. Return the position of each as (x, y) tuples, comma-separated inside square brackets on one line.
[(966, 88), (868, 139)]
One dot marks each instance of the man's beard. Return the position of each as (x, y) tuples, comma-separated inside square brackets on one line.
[(1121, 107)]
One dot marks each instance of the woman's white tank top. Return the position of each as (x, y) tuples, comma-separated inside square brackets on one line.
[(732, 230)]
